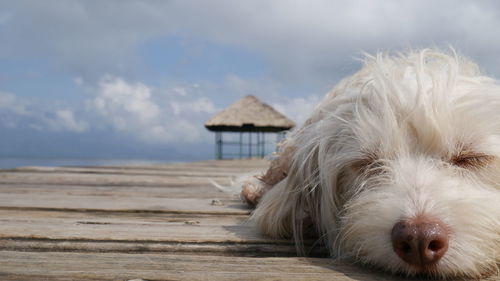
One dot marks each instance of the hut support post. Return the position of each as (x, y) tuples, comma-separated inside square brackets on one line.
[(263, 150), (249, 144), (241, 145), (221, 146), (218, 145), (257, 152)]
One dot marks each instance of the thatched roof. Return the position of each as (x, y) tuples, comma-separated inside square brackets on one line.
[(249, 114)]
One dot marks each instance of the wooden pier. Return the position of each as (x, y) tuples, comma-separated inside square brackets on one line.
[(161, 222)]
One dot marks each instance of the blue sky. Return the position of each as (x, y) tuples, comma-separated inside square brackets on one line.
[(137, 79)]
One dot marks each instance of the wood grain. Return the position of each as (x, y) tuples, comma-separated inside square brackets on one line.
[(146, 266)]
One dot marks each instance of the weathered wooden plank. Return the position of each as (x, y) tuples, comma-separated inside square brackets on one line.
[(104, 217), (140, 247), (136, 232), (120, 266), (123, 229), (122, 204), (139, 232), (169, 191), (100, 179)]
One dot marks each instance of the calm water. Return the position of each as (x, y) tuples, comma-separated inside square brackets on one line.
[(9, 163)]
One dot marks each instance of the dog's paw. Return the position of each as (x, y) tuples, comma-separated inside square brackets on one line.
[(252, 190)]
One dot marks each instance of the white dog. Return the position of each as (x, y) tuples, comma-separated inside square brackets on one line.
[(398, 167)]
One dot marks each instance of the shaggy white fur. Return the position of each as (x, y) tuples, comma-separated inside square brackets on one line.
[(409, 135)]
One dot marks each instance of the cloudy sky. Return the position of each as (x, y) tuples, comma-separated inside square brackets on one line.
[(137, 79)]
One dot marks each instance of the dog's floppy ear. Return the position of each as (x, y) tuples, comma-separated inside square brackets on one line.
[(274, 214), (283, 214), (299, 201)]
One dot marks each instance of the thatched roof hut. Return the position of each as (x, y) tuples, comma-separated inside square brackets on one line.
[(249, 115)]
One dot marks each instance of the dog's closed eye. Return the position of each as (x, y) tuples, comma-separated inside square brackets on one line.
[(471, 160)]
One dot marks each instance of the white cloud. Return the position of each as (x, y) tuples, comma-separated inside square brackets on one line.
[(180, 91), (128, 107), (10, 109), (131, 108), (10, 103), (18, 112), (123, 104), (65, 120)]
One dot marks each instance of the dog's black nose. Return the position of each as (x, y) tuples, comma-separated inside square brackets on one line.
[(420, 241)]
